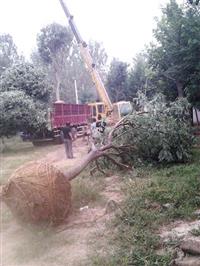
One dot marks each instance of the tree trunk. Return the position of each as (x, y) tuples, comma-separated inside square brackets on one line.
[(57, 87), (77, 169), (179, 86), (57, 77)]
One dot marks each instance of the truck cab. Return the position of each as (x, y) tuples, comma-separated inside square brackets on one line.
[(120, 109), (98, 108)]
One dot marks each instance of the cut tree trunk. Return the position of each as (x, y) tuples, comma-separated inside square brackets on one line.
[(38, 192), (77, 169)]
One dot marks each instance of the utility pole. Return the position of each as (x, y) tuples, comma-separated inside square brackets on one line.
[(76, 92)]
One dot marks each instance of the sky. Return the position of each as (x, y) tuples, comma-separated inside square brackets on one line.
[(123, 26)]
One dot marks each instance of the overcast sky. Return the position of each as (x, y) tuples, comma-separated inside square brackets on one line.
[(123, 26)]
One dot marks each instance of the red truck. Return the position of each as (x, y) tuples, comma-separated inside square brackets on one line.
[(76, 114)]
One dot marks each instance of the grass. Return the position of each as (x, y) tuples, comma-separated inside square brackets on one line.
[(25, 245), (15, 152), (166, 194), (195, 232), (86, 191), (155, 196)]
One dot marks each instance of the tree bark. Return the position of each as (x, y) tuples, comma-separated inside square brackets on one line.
[(77, 169), (57, 87), (179, 86)]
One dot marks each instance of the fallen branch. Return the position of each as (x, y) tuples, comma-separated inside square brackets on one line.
[(121, 165)]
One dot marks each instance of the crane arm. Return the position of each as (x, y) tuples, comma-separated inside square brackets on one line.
[(88, 60)]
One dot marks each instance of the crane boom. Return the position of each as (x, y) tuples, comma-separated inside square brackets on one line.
[(88, 60)]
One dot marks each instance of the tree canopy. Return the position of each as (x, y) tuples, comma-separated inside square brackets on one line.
[(19, 112), (54, 42), (175, 56), (8, 52), (27, 78), (51, 40), (64, 63), (24, 95), (117, 80)]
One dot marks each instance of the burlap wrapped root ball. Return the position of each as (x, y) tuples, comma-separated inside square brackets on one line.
[(38, 192)]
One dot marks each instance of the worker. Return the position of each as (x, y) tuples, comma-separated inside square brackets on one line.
[(93, 125), (67, 137), (100, 124), (86, 134), (74, 131)]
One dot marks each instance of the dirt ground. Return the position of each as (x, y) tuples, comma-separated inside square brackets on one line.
[(71, 244)]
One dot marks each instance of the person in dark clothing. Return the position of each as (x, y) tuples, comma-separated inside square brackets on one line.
[(67, 137), (100, 124)]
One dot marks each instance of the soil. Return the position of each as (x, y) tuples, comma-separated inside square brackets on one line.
[(179, 229), (186, 245), (71, 244)]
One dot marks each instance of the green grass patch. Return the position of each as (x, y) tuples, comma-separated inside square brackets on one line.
[(195, 232), (168, 193), (16, 152), (86, 190)]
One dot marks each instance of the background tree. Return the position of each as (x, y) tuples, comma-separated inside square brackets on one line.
[(78, 70), (175, 56), (71, 67), (192, 2), (19, 112), (24, 97), (100, 57), (141, 77), (8, 52), (75, 70), (137, 77), (117, 80), (54, 43), (27, 78)]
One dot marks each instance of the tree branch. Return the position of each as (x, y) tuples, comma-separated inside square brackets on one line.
[(121, 165)]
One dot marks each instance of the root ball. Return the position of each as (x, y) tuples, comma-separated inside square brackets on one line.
[(38, 192)]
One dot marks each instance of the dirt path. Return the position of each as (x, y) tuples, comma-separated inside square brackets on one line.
[(74, 242), (58, 157)]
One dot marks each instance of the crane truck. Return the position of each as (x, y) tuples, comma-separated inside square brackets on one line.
[(105, 108), (78, 114)]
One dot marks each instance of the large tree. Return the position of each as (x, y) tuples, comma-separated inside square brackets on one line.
[(24, 97), (8, 52), (54, 43), (140, 77), (99, 57), (117, 80), (175, 56), (76, 69), (69, 66), (27, 78), (19, 112)]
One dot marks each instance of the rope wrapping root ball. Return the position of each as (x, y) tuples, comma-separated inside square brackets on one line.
[(38, 192)]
